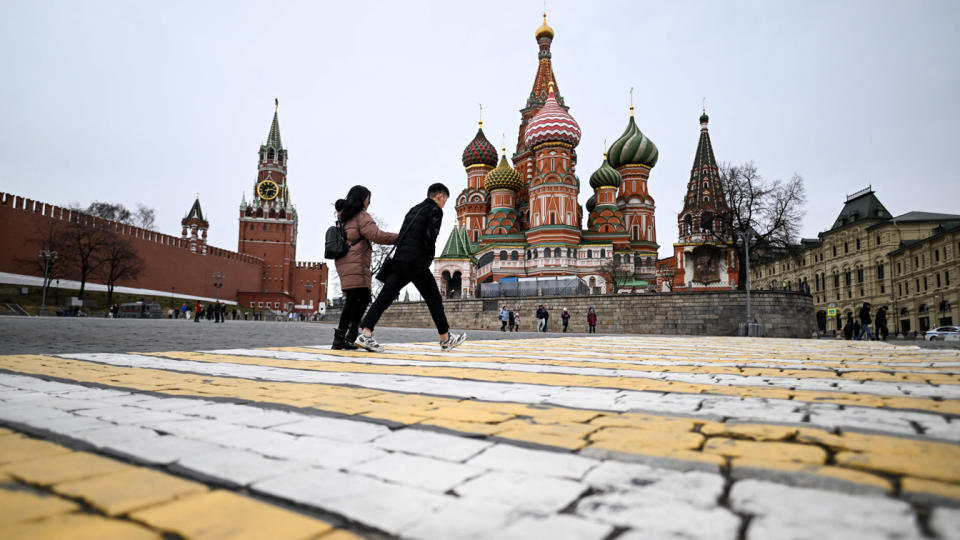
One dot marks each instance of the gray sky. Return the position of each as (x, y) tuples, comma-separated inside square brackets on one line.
[(153, 102)]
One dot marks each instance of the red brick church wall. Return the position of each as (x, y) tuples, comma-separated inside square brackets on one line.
[(169, 265)]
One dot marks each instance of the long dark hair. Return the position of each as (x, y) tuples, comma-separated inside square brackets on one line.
[(353, 204)]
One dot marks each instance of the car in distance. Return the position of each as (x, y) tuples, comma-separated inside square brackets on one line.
[(943, 333), (140, 310)]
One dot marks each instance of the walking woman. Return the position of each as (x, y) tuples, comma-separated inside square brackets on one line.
[(592, 321), (354, 267)]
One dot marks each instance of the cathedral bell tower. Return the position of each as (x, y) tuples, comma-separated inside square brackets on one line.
[(268, 223)]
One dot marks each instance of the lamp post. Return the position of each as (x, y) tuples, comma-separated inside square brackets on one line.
[(47, 256), (309, 287), (218, 282), (744, 240)]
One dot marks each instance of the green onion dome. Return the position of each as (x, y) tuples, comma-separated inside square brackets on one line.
[(632, 148), (704, 118), (591, 203), (503, 177), (605, 176), (479, 151)]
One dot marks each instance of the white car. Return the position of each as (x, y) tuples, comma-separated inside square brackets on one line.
[(943, 333)]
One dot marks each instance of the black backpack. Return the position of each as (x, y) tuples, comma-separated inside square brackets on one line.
[(337, 245)]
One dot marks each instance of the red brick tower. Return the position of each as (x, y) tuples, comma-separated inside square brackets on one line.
[(196, 226), (268, 223)]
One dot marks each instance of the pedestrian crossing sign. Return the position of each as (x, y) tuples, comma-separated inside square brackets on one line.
[(831, 312)]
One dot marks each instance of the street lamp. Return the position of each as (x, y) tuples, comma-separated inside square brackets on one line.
[(743, 240), (47, 256), (218, 282), (309, 287)]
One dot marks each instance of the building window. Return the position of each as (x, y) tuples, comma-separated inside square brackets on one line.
[(836, 281), (946, 278), (276, 304), (589, 253), (878, 239), (924, 283), (858, 244), (252, 303), (882, 289), (603, 254), (514, 256), (859, 275), (938, 279), (834, 251), (899, 289), (259, 304), (846, 247), (553, 218), (916, 262), (918, 285), (936, 256), (503, 255), (848, 278), (879, 270)]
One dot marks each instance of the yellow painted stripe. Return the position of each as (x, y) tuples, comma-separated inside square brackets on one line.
[(672, 437), (136, 502), (588, 381), (864, 374)]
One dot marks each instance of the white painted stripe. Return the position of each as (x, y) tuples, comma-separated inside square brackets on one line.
[(747, 408), (881, 388)]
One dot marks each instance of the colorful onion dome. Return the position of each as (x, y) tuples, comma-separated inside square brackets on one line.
[(605, 176), (479, 151), (503, 177), (633, 148), (544, 30), (552, 123), (591, 203)]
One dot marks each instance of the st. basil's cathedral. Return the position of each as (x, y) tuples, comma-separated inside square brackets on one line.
[(524, 220)]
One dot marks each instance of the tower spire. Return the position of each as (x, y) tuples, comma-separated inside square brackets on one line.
[(273, 137)]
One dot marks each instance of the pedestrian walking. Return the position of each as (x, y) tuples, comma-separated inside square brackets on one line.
[(512, 321), (414, 251), (516, 320), (591, 321), (565, 317), (504, 318), (183, 311), (216, 312), (540, 318), (865, 321), (882, 331), (354, 267), (197, 312)]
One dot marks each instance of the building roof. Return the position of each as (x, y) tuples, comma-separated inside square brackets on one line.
[(632, 147), (273, 137), (926, 216), (454, 249), (479, 151), (907, 244), (861, 206), (195, 211), (705, 176), (552, 123)]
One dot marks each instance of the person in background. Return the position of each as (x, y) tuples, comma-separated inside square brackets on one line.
[(865, 321), (516, 319), (197, 312), (540, 318), (592, 321), (504, 318), (512, 321), (354, 267), (565, 317), (882, 331)]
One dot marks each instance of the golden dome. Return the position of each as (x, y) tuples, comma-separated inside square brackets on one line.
[(544, 30)]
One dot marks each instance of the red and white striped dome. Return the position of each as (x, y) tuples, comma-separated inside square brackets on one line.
[(552, 123)]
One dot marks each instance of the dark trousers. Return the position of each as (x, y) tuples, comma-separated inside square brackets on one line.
[(356, 303), (593, 329), (422, 279), (503, 326)]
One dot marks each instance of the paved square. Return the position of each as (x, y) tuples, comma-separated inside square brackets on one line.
[(550, 437)]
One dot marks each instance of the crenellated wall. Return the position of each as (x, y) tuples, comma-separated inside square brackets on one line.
[(169, 263)]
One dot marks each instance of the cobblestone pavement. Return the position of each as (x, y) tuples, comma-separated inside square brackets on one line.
[(578, 437)]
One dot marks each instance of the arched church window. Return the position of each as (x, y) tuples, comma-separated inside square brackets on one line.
[(514, 256), (553, 218), (603, 254), (270, 154), (616, 259), (556, 253), (589, 253)]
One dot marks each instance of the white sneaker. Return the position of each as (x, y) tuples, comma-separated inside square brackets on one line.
[(368, 343), (452, 341)]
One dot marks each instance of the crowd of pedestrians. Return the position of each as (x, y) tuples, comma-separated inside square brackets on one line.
[(510, 319), (859, 328)]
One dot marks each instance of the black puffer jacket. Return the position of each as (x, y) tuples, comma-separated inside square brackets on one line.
[(418, 235)]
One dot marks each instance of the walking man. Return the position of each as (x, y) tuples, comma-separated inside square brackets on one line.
[(541, 318), (414, 251), (565, 317), (865, 322), (882, 331), (504, 318), (197, 312)]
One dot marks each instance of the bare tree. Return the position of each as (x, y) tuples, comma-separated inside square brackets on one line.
[(120, 262), (771, 210), (83, 240), (619, 272), (144, 217), (377, 258), (49, 240)]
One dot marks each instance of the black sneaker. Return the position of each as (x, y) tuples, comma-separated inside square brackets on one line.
[(452, 341)]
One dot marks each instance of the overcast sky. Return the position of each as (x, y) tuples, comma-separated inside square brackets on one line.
[(150, 102)]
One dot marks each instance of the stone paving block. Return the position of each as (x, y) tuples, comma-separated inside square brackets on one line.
[(525, 492), (419, 472), (556, 527), (859, 417), (161, 450), (642, 439), (69, 425), (462, 519), (102, 437), (259, 440), (907, 464), (77, 527), (791, 512), (324, 452), (19, 506), (237, 467), (244, 415), (130, 415), (173, 404), (50, 470), (616, 475), (388, 507), (811, 476), (31, 411), (945, 522), (120, 492), (93, 393), (929, 491), (192, 428), (503, 457), (650, 517), (335, 428), (221, 514), (431, 444), (769, 410), (768, 451), (17, 448)]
